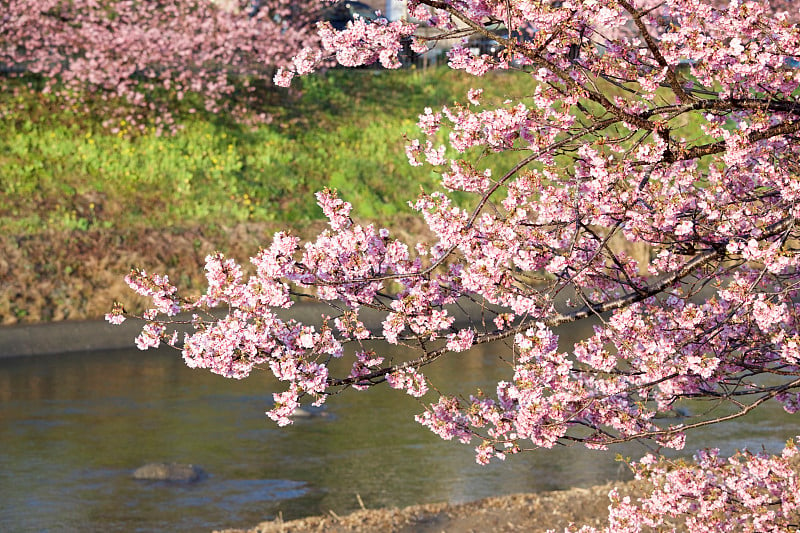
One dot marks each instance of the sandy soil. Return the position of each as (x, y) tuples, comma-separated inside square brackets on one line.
[(532, 513)]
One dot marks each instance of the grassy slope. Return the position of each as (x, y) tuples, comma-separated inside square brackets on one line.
[(82, 204), (63, 170)]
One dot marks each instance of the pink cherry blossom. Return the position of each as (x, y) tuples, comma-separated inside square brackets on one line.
[(652, 188), (132, 53)]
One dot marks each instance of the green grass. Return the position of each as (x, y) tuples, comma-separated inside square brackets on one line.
[(60, 168)]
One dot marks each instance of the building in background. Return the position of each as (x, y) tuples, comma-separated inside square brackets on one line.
[(394, 10)]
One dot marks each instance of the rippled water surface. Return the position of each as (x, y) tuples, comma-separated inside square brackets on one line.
[(74, 427)]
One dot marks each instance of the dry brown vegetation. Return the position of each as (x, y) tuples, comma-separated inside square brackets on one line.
[(532, 513), (78, 275)]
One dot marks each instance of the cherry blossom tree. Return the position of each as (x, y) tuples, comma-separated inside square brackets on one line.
[(139, 54), (666, 124)]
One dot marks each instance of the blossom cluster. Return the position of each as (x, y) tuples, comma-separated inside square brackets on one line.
[(751, 493), (132, 52), (362, 42)]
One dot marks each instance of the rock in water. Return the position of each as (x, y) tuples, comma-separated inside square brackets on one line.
[(309, 412), (169, 472)]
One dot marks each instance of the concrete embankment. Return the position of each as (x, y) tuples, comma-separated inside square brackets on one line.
[(65, 337), (89, 335)]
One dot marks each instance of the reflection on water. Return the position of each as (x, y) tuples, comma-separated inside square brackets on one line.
[(74, 427)]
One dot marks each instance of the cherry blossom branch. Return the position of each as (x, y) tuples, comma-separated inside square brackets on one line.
[(686, 427), (586, 311)]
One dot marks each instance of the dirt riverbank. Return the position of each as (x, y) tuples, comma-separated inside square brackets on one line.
[(78, 275), (532, 513), (55, 276)]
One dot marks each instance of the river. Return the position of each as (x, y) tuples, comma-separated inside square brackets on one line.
[(73, 427)]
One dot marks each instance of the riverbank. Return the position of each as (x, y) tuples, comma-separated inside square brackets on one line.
[(532, 513), (77, 275)]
